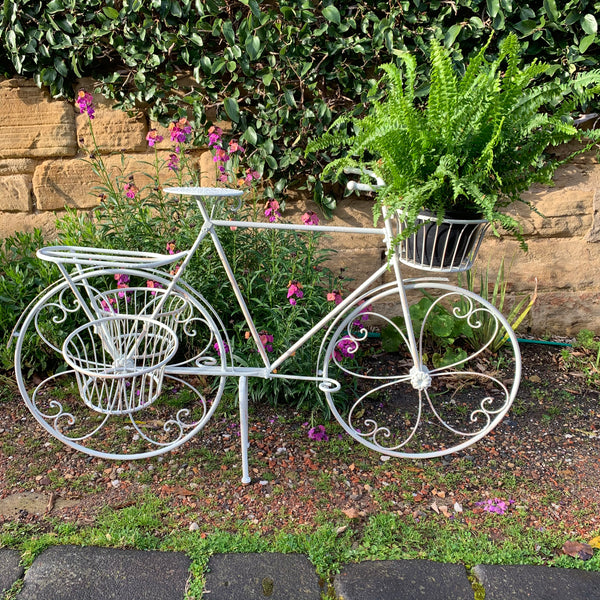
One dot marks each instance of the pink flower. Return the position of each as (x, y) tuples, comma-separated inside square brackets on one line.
[(251, 175), (235, 147), (108, 306), (173, 164), (154, 285), (220, 155), (272, 210), (334, 296), (497, 505), (294, 292), (153, 137), (180, 130), (171, 247), (318, 433), (130, 190), (266, 339), (214, 135), (362, 315), (85, 102), (310, 218), (345, 348), (122, 279), (225, 347)]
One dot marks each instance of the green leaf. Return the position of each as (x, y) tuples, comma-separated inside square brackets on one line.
[(332, 14), (267, 78), (589, 24), (586, 42), (526, 27), (60, 66), (255, 8), (451, 34), (250, 135), (54, 6), (551, 10), (110, 12), (493, 6), (289, 98), (232, 109), (253, 47), (228, 33)]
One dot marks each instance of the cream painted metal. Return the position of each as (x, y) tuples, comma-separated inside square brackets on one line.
[(147, 363)]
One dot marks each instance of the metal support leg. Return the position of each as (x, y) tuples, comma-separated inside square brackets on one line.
[(243, 399)]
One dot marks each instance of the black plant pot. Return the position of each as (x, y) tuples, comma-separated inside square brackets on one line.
[(451, 245)]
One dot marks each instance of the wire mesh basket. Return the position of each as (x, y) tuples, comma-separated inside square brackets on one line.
[(172, 306), (119, 361), (449, 246)]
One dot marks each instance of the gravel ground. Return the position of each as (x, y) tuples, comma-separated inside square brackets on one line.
[(543, 456)]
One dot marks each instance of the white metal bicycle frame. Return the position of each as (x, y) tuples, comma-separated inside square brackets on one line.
[(270, 368)]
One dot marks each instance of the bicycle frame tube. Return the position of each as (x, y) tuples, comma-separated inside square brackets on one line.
[(209, 227)]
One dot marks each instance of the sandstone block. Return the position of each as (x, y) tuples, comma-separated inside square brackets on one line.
[(16, 166), (114, 130), (565, 264), (72, 183), (11, 222), (566, 312), (34, 125), (15, 193)]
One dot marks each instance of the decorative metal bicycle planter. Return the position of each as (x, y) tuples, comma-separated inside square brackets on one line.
[(138, 347)]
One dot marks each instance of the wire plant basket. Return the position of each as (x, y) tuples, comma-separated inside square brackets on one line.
[(119, 361), (447, 246), (167, 306)]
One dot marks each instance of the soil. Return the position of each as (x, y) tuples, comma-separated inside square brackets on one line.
[(543, 455)]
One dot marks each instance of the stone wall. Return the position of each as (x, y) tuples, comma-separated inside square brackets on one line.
[(42, 145)]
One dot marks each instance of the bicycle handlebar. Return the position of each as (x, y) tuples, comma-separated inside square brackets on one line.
[(363, 187)]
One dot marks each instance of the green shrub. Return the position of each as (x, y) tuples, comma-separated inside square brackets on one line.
[(280, 71)]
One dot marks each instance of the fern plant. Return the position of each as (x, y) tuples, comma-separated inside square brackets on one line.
[(475, 143)]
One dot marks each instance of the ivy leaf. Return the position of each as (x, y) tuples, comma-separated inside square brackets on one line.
[(110, 12), (551, 10), (232, 109), (228, 33), (452, 34), (250, 135), (586, 42), (589, 24), (54, 7), (289, 98), (331, 13), (493, 6), (253, 47)]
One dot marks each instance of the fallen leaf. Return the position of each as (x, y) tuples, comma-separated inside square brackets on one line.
[(351, 513), (535, 379), (444, 510), (341, 530), (435, 508), (457, 507), (578, 550), (595, 542)]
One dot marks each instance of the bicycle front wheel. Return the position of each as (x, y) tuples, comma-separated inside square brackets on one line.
[(433, 397)]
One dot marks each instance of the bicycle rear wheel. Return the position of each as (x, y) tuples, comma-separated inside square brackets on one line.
[(131, 405)]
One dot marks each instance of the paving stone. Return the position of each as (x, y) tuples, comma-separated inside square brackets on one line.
[(10, 569), (403, 580), (517, 582), (259, 576), (90, 573)]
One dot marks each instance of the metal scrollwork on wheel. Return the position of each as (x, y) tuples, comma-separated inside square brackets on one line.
[(435, 397), (143, 376)]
